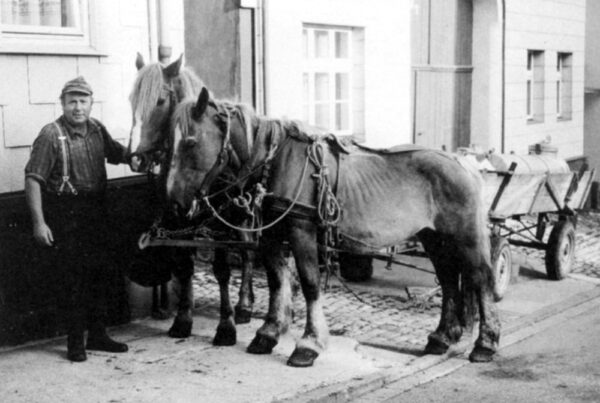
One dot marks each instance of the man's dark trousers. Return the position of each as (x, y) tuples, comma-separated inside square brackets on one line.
[(81, 257)]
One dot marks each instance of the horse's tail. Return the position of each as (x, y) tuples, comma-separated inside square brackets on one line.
[(480, 278)]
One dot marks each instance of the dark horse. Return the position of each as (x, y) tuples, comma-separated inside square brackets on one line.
[(156, 92), (385, 198)]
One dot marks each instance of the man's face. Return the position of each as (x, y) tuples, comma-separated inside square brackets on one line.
[(77, 108)]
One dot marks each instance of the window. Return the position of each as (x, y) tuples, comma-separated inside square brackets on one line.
[(564, 85), (44, 26), (41, 16), (330, 78), (535, 86)]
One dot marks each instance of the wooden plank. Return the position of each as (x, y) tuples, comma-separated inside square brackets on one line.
[(578, 198), (560, 184), (518, 196)]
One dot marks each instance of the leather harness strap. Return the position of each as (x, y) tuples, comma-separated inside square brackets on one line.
[(65, 165), (222, 160)]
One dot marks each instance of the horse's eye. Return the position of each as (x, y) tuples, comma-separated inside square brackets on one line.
[(217, 120), (160, 101), (189, 142)]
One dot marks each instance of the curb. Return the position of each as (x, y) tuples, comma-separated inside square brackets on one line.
[(427, 368)]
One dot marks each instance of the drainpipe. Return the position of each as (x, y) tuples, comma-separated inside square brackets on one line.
[(152, 30), (260, 67), (164, 42), (503, 68)]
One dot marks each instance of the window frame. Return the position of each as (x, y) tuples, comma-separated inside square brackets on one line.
[(564, 86), (38, 39), (535, 82), (331, 66)]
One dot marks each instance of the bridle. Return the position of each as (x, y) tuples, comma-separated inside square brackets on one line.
[(155, 155), (226, 155)]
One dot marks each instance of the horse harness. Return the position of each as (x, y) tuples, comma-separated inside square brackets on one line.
[(327, 209)]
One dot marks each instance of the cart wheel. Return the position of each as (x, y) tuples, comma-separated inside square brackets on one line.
[(356, 268), (502, 265), (561, 250)]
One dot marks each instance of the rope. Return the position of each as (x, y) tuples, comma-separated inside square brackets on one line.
[(328, 207), (242, 179), (350, 290), (276, 221)]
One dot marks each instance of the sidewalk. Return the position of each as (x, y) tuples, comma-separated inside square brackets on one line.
[(161, 369)]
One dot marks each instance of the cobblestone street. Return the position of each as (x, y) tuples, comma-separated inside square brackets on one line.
[(392, 322), (387, 321)]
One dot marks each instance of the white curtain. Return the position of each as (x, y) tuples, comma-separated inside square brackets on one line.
[(50, 13)]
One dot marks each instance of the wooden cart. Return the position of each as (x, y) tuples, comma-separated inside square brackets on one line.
[(527, 197)]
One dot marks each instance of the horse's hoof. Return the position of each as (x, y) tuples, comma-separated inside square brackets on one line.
[(225, 336), (261, 345), (481, 354), (302, 357), (436, 347), (180, 330), (242, 315)]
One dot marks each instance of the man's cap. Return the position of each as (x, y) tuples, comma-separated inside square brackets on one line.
[(77, 85)]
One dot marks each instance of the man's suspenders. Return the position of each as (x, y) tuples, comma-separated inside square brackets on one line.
[(65, 167)]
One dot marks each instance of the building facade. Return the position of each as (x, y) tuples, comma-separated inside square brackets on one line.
[(592, 89), (494, 74), (45, 43), (340, 64)]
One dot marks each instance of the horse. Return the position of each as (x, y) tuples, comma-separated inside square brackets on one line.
[(156, 92), (382, 199)]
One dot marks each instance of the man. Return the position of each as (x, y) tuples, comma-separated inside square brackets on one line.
[(65, 183)]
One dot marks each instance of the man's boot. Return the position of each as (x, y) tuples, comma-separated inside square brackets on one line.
[(99, 340), (75, 348)]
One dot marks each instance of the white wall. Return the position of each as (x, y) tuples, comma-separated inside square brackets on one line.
[(386, 25), (592, 49), (552, 26), (31, 83), (486, 100), (592, 84), (592, 129)]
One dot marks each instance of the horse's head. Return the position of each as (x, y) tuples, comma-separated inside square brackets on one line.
[(201, 148), (156, 92)]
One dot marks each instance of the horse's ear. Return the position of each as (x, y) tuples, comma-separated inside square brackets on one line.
[(172, 70), (139, 61), (201, 104)]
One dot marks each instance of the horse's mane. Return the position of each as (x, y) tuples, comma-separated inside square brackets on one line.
[(260, 131), (182, 115), (149, 84)]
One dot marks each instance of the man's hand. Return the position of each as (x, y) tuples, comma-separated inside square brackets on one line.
[(33, 194), (43, 234)]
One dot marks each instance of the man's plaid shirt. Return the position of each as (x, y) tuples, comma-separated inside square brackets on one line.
[(87, 155)]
